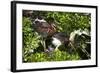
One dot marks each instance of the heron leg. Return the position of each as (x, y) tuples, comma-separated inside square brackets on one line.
[(73, 47), (43, 43), (56, 48)]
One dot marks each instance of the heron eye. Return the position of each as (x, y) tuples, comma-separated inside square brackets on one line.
[(40, 18), (36, 22)]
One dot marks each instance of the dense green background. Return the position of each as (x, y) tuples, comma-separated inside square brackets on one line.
[(66, 22)]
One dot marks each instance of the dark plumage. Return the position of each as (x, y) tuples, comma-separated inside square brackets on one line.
[(57, 40), (43, 27), (62, 37)]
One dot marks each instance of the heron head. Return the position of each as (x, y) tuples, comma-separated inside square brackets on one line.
[(39, 19)]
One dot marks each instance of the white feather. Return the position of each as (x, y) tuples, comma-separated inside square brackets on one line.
[(40, 20), (56, 42), (72, 35)]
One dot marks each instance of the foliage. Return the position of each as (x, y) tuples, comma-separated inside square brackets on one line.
[(52, 56), (65, 22)]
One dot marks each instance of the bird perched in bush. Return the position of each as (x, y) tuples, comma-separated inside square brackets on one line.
[(60, 38), (44, 29)]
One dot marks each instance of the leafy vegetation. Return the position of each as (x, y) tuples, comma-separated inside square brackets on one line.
[(66, 22)]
